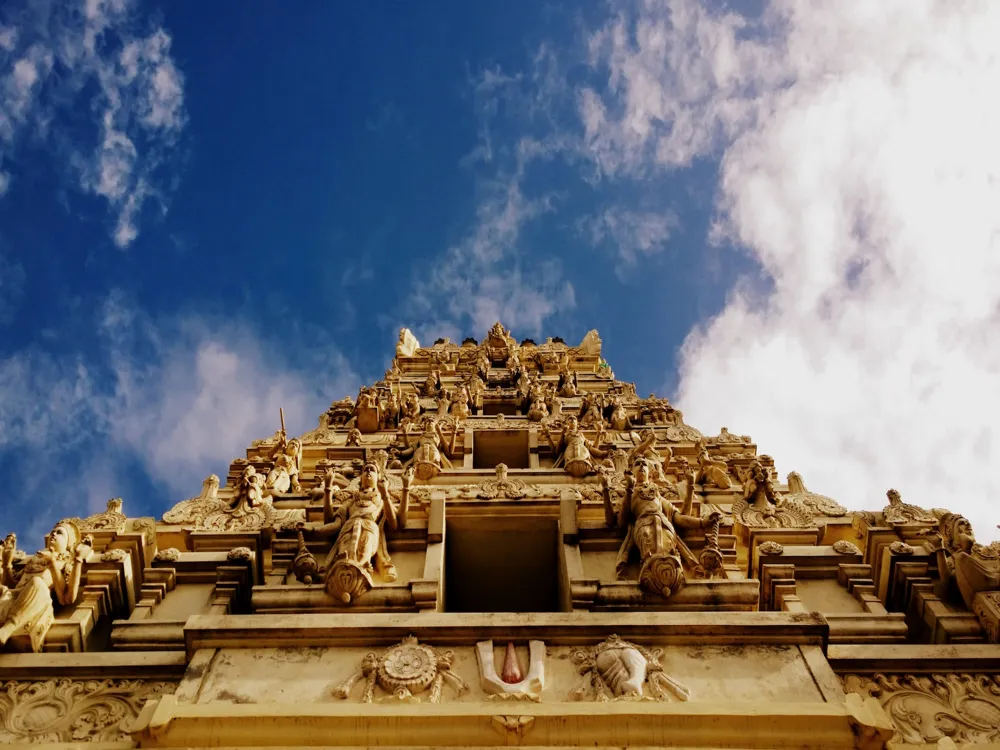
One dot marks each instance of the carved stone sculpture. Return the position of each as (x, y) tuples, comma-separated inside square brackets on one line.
[(353, 437), (404, 671), (432, 384), (73, 711), (645, 447), (931, 709), (762, 506), (512, 683), (111, 519), (501, 487), (970, 567), (358, 526), (248, 509), (407, 344), (844, 547), (591, 344), (26, 596), (287, 458), (410, 410), (711, 472), (590, 411), (651, 521), (620, 670), (619, 416), (898, 513), (573, 450), (818, 505), (427, 455)]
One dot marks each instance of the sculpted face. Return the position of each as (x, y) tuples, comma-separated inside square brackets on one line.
[(641, 471), (369, 476), (58, 540), (572, 425)]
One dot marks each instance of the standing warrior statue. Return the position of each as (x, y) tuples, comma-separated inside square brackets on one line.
[(26, 598), (573, 450), (359, 524), (427, 456), (651, 522)]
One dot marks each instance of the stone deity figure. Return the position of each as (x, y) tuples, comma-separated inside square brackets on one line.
[(537, 409), (568, 385), (249, 490), (26, 597), (645, 447), (619, 417), (427, 455), (651, 522), (712, 471), (590, 411), (287, 457), (476, 390), (573, 450), (460, 402), (444, 402), (962, 563), (358, 524), (758, 491), (410, 409), (432, 384), (483, 365)]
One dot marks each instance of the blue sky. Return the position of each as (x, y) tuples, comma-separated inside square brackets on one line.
[(772, 215)]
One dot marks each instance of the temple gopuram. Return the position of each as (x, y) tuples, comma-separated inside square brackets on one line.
[(501, 544)]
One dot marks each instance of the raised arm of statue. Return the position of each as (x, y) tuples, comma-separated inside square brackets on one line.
[(609, 509), (395, 518), (688, 504), (548, 437)]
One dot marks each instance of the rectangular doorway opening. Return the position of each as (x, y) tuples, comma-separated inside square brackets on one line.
[(501, 565), (492, 447), (492, 408)]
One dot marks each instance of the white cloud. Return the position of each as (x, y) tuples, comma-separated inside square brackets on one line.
[(860, 169), (59, 63), (179, 397), (634, 234)]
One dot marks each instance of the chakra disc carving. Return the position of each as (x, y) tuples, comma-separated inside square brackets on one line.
[(662, 574), (410, 666)]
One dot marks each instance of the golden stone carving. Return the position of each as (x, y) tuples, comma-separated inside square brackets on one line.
[(651, 520), (811, 502), (249, 508), (73, 710), (620, 670), (712, 472), (407, 345), (898, 513), (901, 548), (404, 671), (725, 437), (573, 450), (26, 596), (770, 548), (502, 487), (358, 526), (762, 506), (931, 707), (844, 547), (111, 519), (427, 454), (170, 554)]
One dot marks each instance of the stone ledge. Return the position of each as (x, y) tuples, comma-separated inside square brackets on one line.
[(556, 628), (912, 658), (157, 665), (168, 723)]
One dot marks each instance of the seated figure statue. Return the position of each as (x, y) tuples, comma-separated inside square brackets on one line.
[(573, 450), (26, 597)]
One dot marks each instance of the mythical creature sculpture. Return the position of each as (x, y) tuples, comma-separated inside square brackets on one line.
[(962, 562), (428, 455), (537, 396), (432, 384), (358, 524), (569, 386), (651, 522), (712, 472), (573, 450), (590, 411), (460, 400), (818, 505), (26, 596), (898, 513), (619, 417)]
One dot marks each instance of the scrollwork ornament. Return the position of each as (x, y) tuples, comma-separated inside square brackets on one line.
[(64, 710), (929, 707)]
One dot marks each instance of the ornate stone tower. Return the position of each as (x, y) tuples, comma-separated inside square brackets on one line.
[(501, 544)]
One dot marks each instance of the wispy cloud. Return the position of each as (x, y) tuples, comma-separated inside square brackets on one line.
[(633, 234), (859, 167), (94, 57), (178, 397)]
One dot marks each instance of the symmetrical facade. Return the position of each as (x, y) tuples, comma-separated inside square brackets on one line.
[(502, 544)]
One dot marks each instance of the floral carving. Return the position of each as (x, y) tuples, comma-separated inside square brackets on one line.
[(725, 437), (928, 708), (811, 502), (114, 555), (770, 548), (240, 554), (72, 711), (403, 671), (170, 554), (501, 487)]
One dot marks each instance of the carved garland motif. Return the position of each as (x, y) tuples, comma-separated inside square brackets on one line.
[(72, 711), (927, 708)]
